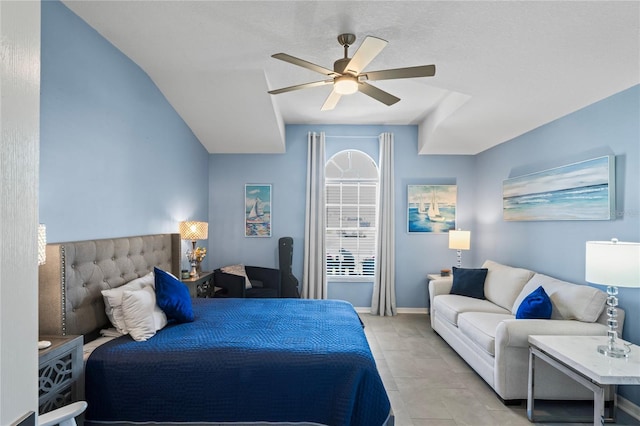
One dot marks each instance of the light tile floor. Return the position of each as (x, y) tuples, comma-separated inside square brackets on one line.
[(430, 385)]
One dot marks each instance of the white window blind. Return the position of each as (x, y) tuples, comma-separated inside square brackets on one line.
[(351, 225)]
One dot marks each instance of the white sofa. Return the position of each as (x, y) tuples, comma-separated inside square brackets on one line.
[(487, 335)]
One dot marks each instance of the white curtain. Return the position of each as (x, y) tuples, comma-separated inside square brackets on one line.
[(314, 285), (384, 289)]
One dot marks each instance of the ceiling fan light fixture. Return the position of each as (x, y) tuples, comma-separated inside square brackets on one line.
[(345, 84)]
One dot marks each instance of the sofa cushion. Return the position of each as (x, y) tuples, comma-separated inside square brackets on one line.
[(449, 306), (480, 328), (569, 301), (468, 282), (504, 283), (536, 305)]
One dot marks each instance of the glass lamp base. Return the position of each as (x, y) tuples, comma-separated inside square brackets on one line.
[(613, 351)]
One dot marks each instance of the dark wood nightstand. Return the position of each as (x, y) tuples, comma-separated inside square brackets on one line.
[(201, 286), (60, 368)]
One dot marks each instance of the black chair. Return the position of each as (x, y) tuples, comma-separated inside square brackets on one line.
[(265, 282)]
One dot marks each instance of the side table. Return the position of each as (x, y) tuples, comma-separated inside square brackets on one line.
[(60, 368), (578, 358), (431, 277), (200, 286)]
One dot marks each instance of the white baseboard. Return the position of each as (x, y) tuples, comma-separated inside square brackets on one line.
[(629, 407), (367, 309)]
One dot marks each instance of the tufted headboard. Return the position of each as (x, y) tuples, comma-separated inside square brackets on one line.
[(71, 280)]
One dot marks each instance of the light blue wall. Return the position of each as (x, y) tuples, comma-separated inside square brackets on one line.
[(116, 159), (609, 127), (416, 255)]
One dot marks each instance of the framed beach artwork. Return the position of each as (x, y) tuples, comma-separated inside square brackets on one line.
[(431, 208), (578, 191), (257, 210)]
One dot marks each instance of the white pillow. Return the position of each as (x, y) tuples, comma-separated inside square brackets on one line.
[(113, 300), (237, 270), (141, 314)]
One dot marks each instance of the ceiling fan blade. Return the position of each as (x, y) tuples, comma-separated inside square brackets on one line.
[(377, 94), (369, 49), (410, 72), (305, 64), (331, 101), (300, 86)]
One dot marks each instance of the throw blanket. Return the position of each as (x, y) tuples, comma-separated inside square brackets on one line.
[(242, 360)]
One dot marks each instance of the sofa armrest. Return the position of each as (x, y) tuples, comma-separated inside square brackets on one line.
[(270, 277), (441, 286), (516, 332), (437, 287), (233, 284)]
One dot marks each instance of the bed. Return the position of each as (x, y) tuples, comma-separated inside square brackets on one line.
[(240, 362)]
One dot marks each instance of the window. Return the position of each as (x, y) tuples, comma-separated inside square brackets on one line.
[(351, 206)]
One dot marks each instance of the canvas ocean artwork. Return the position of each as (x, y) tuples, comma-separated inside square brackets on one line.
[(579, 191)]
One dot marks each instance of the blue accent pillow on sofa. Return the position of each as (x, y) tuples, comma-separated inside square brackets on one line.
[(469, 282), (537, 305), (172, 297)]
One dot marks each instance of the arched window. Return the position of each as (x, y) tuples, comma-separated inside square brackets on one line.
[(351, 201)]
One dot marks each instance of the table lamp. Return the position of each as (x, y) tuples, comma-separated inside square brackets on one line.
[(193, 231), (42, 244), (42, 259), (614, 264), (459, 240)]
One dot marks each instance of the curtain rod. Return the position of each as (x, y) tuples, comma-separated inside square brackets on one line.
[(350, 137)]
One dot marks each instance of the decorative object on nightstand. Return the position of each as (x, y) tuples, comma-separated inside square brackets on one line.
[(614, 264), (459, 240), (193, 231), (59, 371)]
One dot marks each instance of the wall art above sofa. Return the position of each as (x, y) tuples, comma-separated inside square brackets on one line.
[(578, 191)]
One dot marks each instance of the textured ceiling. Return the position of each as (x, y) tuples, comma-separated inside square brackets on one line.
[(502, 67)]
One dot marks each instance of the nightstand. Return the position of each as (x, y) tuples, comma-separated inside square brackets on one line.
[(201, 286), (60, 368), (431, 277)]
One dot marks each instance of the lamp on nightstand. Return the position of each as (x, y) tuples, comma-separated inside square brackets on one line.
[(459, 240), (42, 244), (42, 258), (193, 231), (614, 264)]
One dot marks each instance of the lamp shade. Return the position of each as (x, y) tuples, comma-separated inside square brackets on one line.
[(614, 263), (191, 230), (42, 244), (459, 240)]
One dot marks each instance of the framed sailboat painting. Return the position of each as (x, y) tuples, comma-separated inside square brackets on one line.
[(431, 208), (257, 210)]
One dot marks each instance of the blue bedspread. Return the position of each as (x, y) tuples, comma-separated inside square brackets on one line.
[(243, 360)]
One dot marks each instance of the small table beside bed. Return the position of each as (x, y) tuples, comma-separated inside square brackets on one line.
[(239, 362)]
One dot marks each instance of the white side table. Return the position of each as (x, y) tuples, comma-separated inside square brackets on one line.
[(578, 358)]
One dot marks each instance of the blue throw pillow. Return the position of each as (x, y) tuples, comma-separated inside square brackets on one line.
[(537, 305), (172, 297), (469, 282)]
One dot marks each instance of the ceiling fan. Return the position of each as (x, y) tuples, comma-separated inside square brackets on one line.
[(347, 75)]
